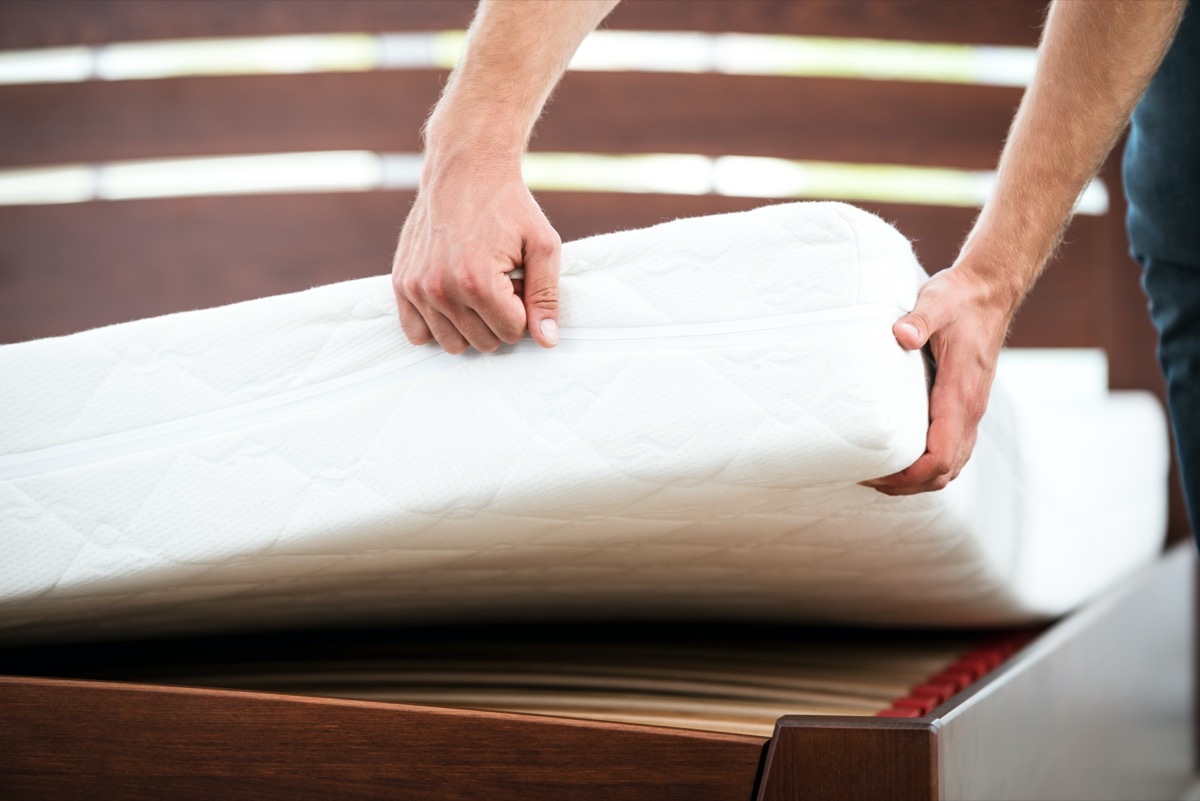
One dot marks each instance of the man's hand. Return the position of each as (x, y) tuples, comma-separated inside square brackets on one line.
[(1094, 62), (964, 319), (469, 228), (474, 221)]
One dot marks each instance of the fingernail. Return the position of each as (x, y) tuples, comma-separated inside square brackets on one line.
[(549, 331), (910, 329)]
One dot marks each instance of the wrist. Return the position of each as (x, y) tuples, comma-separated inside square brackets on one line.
[(462, 123), (1002, 275), (1009, 246), (474, 158), (469, 164)]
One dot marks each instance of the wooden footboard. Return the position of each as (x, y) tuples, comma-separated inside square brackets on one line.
[(1096, 706)]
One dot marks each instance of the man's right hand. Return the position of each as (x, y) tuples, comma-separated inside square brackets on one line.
[(470, 226), (474, 221)]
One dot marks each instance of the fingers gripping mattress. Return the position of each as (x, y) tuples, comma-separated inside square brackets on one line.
[(692, 447)]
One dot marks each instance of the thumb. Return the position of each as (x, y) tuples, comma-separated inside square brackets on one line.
[(541, 289), (913, 330)]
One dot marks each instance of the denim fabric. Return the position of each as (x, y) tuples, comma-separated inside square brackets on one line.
[(1162, 183)]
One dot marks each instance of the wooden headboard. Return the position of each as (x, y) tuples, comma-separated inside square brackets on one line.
[(73, 265)]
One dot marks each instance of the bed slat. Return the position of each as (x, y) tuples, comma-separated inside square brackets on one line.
[(806, 118), (55, 23), (70, 267), (46, 23)]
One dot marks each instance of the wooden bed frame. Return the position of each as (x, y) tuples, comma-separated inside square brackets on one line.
[(1098, 705)]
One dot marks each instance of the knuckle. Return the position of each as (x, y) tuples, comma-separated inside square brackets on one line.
[(415, 329), (510, 336), (545, 297), (509, 324), (545, 244), (409, 287), (437, 290), (470, 286), (932, 292), (920, 319), (400, 285)]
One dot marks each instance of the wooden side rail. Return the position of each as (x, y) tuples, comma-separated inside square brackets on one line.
[(66, 739)]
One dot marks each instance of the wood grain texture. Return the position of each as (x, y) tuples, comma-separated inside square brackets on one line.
[(80, 266), (842, 759), (43, 23), (995, 22), (806, 118), (73, 739), (1098, 706), (71, 267), (51, 23), (66, 268), (197, 116), (737, 677), (823, 119)]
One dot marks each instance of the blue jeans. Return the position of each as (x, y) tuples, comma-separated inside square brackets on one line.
[(1162, 183)]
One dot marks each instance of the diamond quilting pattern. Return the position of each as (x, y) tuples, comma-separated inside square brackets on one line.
[(628, 479)]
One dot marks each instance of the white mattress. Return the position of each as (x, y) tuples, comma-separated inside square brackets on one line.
[(691, 448)]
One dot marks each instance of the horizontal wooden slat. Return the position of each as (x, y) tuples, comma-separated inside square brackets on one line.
[(52, 23), (41, 23), (991, 22), (809, 118), (71, 267), (199, 116), (66, 268), (73, 739)]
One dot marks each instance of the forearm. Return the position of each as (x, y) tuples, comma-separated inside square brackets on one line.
[(517, 50), (1094, 63)]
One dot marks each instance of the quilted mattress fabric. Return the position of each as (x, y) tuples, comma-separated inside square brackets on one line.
[(692, 447)]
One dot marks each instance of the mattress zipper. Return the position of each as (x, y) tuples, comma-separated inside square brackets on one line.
[(763, 330)]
